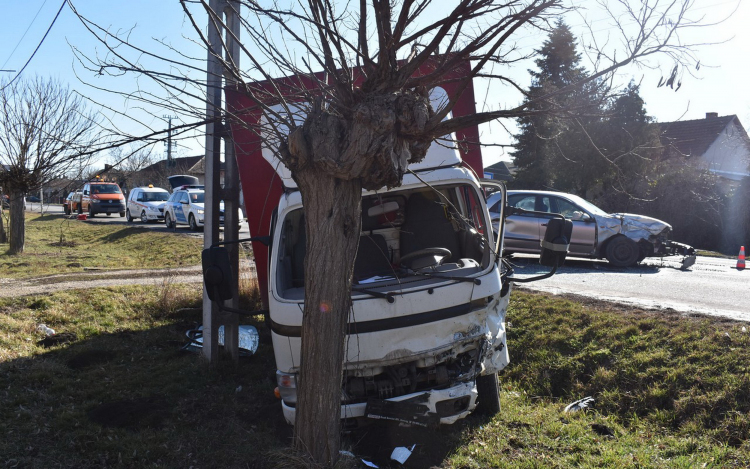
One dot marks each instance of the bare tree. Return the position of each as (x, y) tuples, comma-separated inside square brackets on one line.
[(341, 94), (45, 131)]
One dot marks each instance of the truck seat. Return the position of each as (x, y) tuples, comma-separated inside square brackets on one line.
[(426, 226), (373, 257)]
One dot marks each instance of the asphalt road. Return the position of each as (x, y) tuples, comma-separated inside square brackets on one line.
[(116, 219), (712, 286)]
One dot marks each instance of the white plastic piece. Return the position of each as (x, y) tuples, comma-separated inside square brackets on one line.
[(401, 454), (48, 331)]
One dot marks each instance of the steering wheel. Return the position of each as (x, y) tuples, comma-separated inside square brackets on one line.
[(443, 253)]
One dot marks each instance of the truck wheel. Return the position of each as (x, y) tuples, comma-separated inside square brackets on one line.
[(622, 252), (193, 224), (122, 214), (66, 210), (128, 216), (80, 209), (108, 214), (168, 220), (488, 394), (91, 211)]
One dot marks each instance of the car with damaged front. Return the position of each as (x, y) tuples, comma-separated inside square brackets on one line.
[(623, 239)]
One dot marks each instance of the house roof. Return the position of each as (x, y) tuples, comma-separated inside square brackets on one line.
[(200, 167), (501, 170), (184, 162), (694, 137)]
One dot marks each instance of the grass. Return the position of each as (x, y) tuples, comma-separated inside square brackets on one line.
[(672, 391), (55, 244)]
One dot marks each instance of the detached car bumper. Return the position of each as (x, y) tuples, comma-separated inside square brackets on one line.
[(443, 406)]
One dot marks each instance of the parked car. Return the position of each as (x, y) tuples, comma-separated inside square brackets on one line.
[(146, 203), (70, 204), (33, 198), (102, 197), (624, 239)]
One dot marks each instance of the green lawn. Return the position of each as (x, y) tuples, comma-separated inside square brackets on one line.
[(672, 391), (56, 244)]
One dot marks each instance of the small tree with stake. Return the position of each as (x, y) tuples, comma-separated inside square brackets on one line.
[(355, 114), (44, 132)]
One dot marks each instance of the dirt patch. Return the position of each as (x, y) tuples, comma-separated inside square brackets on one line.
[(89, 358), (64, 244), (75, 264), (146, 412)]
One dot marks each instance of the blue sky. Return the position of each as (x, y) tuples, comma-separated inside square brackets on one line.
[(720, 85)]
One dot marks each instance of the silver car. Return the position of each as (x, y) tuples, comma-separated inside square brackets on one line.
[(624, 239)]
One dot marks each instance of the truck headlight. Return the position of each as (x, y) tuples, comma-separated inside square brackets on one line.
[(287, 386)]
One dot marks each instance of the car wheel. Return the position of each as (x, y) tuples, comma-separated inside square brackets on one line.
[(193, 224), (143, 217), (622, 252), (488, 393), (168, 220), (128, 216), (91, 211)]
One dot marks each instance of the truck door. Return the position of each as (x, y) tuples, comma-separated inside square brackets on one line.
[(522, 232), (583, 239)]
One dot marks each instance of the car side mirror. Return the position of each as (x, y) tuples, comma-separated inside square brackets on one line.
[(556, 242), (85, 192), (217, 273)]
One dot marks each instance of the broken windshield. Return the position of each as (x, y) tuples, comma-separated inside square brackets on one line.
[(420, 234)]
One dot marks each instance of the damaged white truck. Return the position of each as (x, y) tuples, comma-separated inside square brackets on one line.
[(426, 329)]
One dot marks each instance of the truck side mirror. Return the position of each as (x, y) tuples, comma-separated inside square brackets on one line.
[(556, 242), (217, 273)]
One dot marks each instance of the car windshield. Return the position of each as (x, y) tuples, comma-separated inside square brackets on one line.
[(586, 205), (105, 189), (155, 196), (196, 197)]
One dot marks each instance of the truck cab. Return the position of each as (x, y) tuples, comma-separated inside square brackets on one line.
[(102, 197), (427, 321)]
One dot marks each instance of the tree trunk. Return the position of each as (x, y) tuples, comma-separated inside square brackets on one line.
[(17, 223), (332, 224), (3, 236)]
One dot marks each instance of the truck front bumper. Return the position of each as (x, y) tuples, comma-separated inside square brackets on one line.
[(442, 406)]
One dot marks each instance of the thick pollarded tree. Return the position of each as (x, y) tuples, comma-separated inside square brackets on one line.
[(45, 130), (358, 113)]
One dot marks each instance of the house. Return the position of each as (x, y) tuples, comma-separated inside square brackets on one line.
[(500, 171), (717, 144)]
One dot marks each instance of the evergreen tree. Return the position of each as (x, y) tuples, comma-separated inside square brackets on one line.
[(553, 150)]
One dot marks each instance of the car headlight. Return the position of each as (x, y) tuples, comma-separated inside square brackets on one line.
[(200, 212)]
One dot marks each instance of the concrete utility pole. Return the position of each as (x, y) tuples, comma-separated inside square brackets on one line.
[(216, 130)]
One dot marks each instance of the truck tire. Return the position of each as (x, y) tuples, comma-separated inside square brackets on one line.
[(488, 394), (91, 211), (622, 252), (122, 214), (66, 209), (80, 208)]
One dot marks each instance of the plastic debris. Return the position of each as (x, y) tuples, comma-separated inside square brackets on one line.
[(580, 404), (351, 455), (248, 339), (401, 454), (48, 331)]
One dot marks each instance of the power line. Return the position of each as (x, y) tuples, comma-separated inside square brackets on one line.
[(24, 34), (38, 46)]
